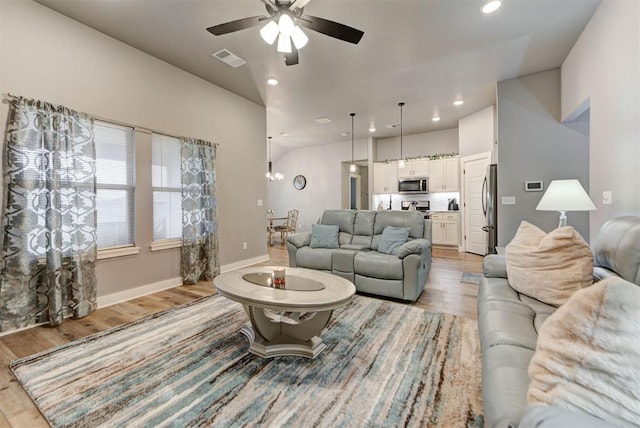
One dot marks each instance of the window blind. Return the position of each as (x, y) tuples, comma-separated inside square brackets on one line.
[(114, 184), (166, 186)]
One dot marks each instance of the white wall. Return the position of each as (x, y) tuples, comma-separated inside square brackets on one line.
[(477, 133), (426, 143), (602, 72), (322, 167), (48, 56)]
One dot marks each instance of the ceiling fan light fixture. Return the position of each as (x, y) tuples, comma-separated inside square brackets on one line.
[(285, 24), (299, 38), (269, 32), (284, 43), (490, 6)]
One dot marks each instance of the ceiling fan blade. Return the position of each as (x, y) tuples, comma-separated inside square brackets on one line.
[(331, 28), (237, 25), (291, 58)]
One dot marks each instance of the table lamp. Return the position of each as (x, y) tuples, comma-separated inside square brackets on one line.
[(563, 196)]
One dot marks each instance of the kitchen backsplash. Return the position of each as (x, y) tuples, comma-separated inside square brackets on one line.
[(438, 201)]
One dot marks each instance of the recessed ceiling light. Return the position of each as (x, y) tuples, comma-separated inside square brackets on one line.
[(458, 102), (283, 134), (272, 81), (489, 6), (436, 118), (372, 129), (323, 120)]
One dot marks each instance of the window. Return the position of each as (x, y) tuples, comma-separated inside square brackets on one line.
[(114, 185), (166, 184)]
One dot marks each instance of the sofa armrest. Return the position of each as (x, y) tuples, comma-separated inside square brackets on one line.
[(600, 273), (415, 246), (494, 266), (302, 239)]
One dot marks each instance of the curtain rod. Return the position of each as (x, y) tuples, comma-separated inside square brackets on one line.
[(12, 96)]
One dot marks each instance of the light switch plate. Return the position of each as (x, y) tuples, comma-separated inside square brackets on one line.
[(508, 200), (606, 197), (259, 202)]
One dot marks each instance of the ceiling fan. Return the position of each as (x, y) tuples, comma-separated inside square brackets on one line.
[(284, 21)]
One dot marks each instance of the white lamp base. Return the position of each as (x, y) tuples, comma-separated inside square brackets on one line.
[(563, 219)]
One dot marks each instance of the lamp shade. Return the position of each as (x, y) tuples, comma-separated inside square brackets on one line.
[(269, 32), (565, 195)]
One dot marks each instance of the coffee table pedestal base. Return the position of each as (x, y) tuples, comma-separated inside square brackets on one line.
[(275, 334)]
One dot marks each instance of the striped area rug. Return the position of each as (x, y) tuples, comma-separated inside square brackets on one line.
[(386, 365)]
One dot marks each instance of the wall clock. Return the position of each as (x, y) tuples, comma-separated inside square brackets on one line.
[(299, 182)]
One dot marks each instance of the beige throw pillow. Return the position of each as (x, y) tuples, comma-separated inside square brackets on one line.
[(550, 267), (588, 354)]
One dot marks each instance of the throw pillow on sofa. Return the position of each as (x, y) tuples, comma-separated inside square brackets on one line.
[(392, 238), (588, 356), (548, 267), (324, 236)]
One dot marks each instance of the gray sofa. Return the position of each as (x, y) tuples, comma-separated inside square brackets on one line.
[(508, 324), (399, 276)]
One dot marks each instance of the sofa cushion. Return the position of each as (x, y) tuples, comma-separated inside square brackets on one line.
[(588, 355), (324, 236), (378, 265), (363, 228), (417, 246), (392, 238), (414, 220), (314, 258), (344, 219), (549, 267), (617, 248)]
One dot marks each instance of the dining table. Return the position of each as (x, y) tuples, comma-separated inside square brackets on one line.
[(271, 228)]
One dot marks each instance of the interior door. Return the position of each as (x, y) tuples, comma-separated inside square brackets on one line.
[(474, 168)]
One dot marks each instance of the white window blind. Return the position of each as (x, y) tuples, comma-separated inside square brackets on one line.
[(114, 185), (166, 186)]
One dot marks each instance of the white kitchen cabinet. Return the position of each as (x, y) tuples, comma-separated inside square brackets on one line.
[(444, 175), (445, 228), (414, 168), (385, 177)]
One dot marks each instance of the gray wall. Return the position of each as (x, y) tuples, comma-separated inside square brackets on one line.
[(51, 57), (427, 143), (534, 145), (602, 73)]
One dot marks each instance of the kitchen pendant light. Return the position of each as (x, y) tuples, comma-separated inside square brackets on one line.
[(352, 167), (401, 162), (271, 176)]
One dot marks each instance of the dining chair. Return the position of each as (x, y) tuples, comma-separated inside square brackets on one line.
[(289, 226)]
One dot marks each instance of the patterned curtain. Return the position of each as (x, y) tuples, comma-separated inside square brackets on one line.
[(49, 217), (199, 211)]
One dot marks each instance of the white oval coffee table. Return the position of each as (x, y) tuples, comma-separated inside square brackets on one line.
[(286, 321)]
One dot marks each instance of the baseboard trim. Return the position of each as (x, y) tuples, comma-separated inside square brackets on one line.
[(244, 263), (133, 293)]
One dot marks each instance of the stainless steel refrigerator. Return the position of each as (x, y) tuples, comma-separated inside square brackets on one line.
[(490, 206)]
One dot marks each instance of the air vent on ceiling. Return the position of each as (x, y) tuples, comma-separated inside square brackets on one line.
[(392, 125), (228, 57)]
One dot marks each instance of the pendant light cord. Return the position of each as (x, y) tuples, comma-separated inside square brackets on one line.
[(352, 116), (401, 105)]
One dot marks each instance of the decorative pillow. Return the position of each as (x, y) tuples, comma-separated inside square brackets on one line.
[(550, 267), (392, 238), (324, 236), (588, 355)]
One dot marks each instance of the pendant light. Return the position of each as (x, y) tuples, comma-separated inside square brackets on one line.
[(401, 162), (271, 176), (352, 167)]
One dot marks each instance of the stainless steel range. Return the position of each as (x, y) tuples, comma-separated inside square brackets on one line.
[(422, 206)]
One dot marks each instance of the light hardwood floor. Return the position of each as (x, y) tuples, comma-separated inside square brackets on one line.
[(443, 293)]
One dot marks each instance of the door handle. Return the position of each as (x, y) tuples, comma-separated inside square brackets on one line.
[(483, 197), (485, 228)]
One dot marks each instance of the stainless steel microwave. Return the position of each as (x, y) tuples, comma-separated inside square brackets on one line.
[(409, 185)]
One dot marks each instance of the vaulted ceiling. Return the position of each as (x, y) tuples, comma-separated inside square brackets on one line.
[(426, 53)]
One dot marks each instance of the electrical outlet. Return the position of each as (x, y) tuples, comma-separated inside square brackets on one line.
[(259, 202), (606, 197), (244, 245)]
